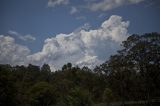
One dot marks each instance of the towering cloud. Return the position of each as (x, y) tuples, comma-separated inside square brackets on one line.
[(83, 47), (80, 47)]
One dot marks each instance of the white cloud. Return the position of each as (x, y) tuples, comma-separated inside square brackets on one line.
[(86, 26), (105, 5), (53, 3), (81, 18), (12, 53), (81, 48), (93, 5), (73, 10), (101, 15), (22, 37)]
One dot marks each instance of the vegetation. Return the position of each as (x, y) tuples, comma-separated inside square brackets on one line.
[(130, 77)]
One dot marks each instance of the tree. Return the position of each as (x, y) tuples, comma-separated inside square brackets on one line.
[(108, 96), (31, 75), (144, 52), (7, 87), (79, 97), (42, 94), (130, 75), (67, 66), (134, 72), (45, 73), (46, 68)]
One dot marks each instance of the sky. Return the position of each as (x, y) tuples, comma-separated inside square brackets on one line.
[(83, 32)]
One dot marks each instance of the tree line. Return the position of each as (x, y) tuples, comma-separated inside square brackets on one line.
[(132, 74)]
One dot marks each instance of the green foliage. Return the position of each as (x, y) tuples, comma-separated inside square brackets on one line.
[(45, 73), (42, 94), (132, 74), (108, 96), (78, 97), (7, 87)]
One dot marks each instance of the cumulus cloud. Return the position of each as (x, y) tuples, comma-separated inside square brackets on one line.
[(53, 3), (21, 37), (12, 53), (83, 47), (105, 5)]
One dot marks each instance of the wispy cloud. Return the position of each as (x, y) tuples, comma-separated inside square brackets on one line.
[(92, 5), (73, 10), (101, 15), (53, 3), (105, 5), (152, 3), (21, 37), (86, 26), (81, 18)]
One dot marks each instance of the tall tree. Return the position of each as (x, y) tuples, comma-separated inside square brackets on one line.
[(7, 87), (42, 94), (45, 73)]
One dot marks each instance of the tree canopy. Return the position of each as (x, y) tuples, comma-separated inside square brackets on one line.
[(132, 74)]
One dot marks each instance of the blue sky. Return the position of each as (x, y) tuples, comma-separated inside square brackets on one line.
[(31, 22)]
